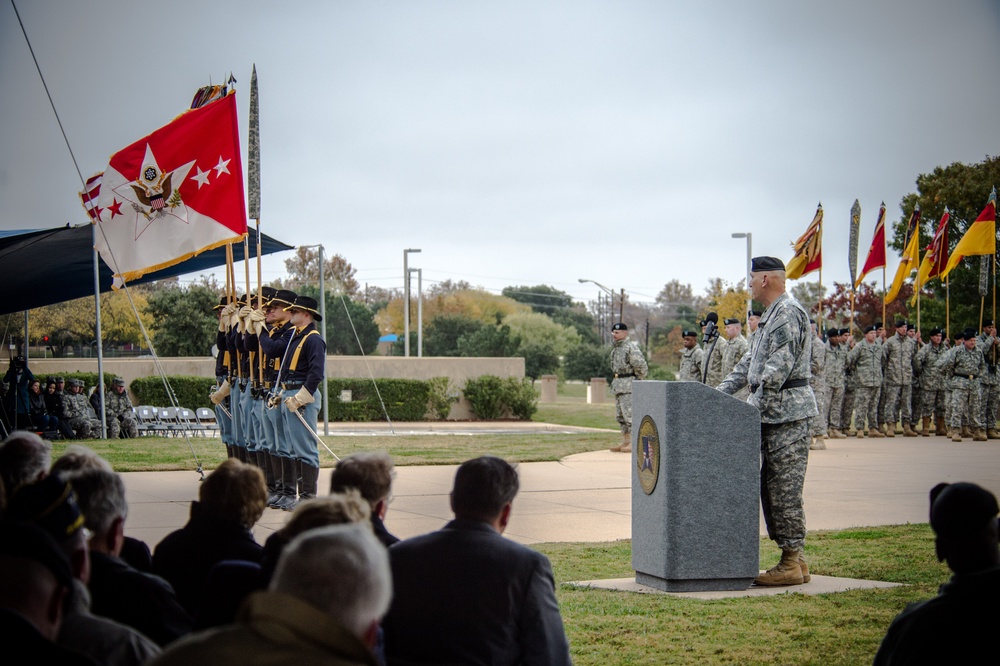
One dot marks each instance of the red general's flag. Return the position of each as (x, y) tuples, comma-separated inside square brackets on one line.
[(808, 249), (876, 253), (173, 194)]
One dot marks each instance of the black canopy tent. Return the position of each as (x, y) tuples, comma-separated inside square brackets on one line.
[(45, 266)]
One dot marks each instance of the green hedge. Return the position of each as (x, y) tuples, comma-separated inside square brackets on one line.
[(191, 392), (89, 378), (493, 398), (405, 399)]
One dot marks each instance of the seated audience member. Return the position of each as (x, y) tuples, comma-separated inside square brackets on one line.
[(118, 590), (371, 473), (955, 627), (331, 589), (76, 412), (465, 594), (231, 581), (35, 581), (37, 411), (77, 457), (231, 500), (24, 458), (118, 414), (51, 505)]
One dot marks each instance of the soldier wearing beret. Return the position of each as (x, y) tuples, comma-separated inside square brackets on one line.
[(990, 381), (897, 368), (963, 367), (736, 347), (691, 358), (753, 321), (777, 372), (627, 363), (932, 394), (865, 361)]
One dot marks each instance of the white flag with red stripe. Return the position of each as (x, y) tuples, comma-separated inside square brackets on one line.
[(91, 194), (173, 194)]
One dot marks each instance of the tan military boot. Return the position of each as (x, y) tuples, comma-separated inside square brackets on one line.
[(860, 434), (626, 446), (925, 426), (890, 429), (805, 568), (908, 431), (966, 432), (786, 572), (837, 433), (956, 435), (939, 428), (817, 444), (979, 436), (875, 432), (993, 433)]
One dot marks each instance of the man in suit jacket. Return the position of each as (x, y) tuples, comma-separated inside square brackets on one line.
[(465, 594)]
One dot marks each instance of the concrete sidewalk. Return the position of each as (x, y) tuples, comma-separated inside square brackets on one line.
[(587, 497)]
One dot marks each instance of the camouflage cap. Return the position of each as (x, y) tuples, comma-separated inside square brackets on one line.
[(118, 381)]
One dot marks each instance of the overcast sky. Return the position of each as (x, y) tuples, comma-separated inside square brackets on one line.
[(522, 142)]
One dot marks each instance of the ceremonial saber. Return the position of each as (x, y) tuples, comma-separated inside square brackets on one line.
[(224, 410), (313, 433)]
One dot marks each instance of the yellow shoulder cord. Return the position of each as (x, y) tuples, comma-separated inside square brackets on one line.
[(295, 356)]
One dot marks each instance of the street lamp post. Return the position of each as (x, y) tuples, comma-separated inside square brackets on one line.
[(748, 236), (420, 310), (611, 309), (406, 300)]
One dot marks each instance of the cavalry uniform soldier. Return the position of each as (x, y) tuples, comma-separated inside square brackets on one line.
[(963, 368), (627, 363), (273, 343), (777, 372), (833, 378), (303, 368), (220, 395), (990, 381), (736, 347), (897, 365), (77, 412), (817, 382), (865, 360), (932, 396), (118, 412), (691, 358), (252, 325)]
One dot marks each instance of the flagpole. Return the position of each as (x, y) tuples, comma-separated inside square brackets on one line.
[(883, 295), (947, 307), (246, 263)]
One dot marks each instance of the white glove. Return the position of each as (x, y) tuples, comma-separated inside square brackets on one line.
[(300, 399), (222, 324), (229, 309), (245, 311), (256, 327), (218, 396)]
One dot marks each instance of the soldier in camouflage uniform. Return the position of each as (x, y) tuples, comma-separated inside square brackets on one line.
[(817, 381), (118, 412), (777, 372), (963, 368), (897, 367), (627, 363), (959, 343), (736, 347), (833, 377), (691, 358), (925, 366), (850, 383), (916, 392), (989, 384), (753, 322), (865, 360), (75, 408), (712, 361)]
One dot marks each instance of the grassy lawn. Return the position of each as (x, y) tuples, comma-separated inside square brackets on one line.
[(606, 627)]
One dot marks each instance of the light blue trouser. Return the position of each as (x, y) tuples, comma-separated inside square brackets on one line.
[(223, 419), (239, 422), (273, 430), (246, 412), (303, 444)]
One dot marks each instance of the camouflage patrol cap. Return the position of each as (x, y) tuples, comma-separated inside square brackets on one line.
[(60, 380), (961, 509), (118, 381)]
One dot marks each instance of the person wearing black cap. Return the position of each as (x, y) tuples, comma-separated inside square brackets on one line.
[(932, 385), (222, 389), (865, 361), (958, 625), (850, 383), (897, 367), (990, 381), (817, 382), (303, 367), (254, 327), (963, 367), (753, 321), (833, 380), (627, 363), (692, 357), (278, 451), (777, 371)]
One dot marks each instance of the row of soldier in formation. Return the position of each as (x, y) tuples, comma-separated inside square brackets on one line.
[(270, 363), (880, 380)]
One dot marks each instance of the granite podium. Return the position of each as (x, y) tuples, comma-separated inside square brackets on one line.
[(695, 488)]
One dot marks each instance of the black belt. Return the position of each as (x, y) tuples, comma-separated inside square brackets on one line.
[(790, 384), (623, 376), (291, 386)]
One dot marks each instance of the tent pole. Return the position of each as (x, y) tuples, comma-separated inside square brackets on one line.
[(100, 342)]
